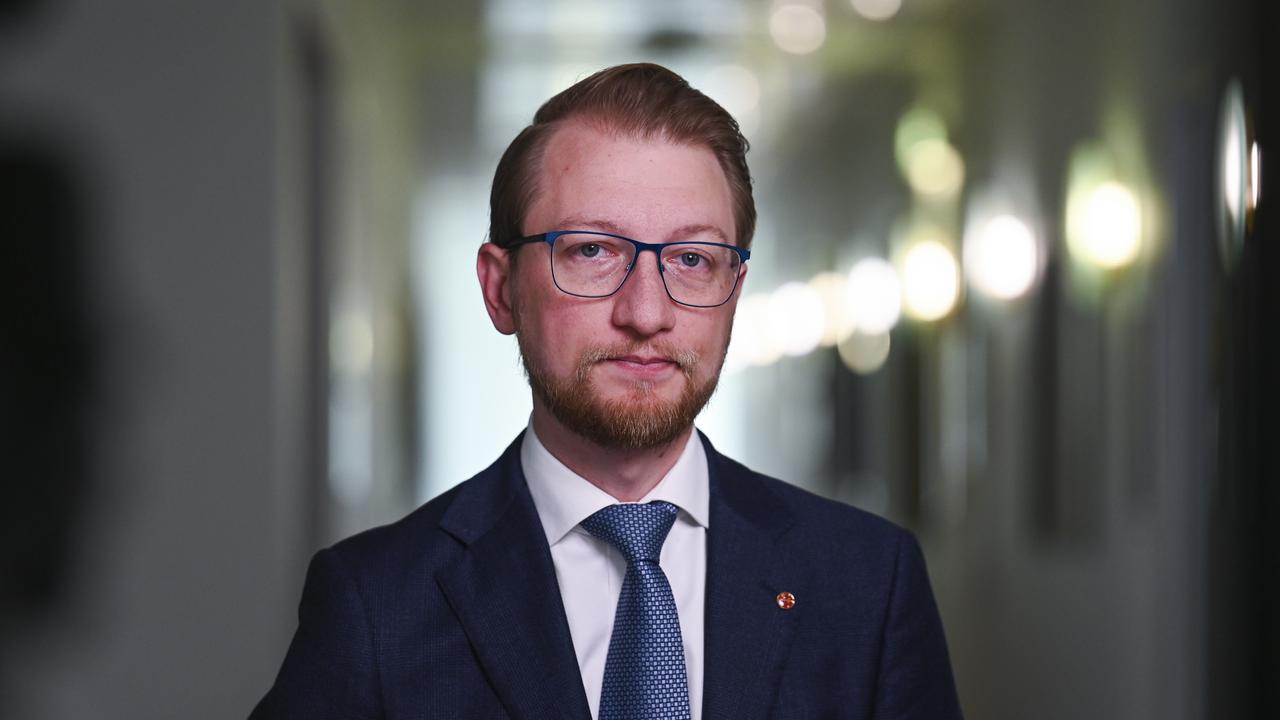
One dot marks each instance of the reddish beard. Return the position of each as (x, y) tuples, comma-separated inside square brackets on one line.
[(640, 420)]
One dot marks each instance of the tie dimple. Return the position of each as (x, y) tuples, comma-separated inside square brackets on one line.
[(644, 672)]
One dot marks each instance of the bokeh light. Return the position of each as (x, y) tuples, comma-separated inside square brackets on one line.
[(917, 125), (1255, 176), (930, 280), (935, 168), (1001, 257), (795, 321), (798, 29), (876, 9), (1233, 170), (1104, 225), (863, 352), (832, 288), (873, 297), (1104, 216), (751, 343), (931, 165), (1234, 174)]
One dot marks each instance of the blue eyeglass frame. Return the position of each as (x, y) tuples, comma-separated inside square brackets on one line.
[(550, 239)]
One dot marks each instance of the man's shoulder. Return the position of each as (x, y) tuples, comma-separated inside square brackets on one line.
[(434, 533), (413, 540)]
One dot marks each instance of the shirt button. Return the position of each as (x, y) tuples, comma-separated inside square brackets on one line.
[(786, 600)]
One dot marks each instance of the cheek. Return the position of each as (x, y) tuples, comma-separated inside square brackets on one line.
[(709, 334), (557, 332), (530, 302)]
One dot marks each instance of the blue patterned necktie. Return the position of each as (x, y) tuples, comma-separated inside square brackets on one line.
[(644, 675)]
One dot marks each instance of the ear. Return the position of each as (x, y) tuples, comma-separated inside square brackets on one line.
[(493, 268)]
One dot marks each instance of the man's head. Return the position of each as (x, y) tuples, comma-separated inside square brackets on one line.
[(632, 151), (640, 100)]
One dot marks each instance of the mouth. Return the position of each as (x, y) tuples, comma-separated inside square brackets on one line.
[(642, 367), (643, 363), (642, 360)]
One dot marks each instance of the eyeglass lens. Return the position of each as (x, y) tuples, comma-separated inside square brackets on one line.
[(596, 266)]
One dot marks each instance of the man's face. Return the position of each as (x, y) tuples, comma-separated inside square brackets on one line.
[(631, 370)]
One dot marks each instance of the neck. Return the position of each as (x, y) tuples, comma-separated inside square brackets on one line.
[(627, 475)]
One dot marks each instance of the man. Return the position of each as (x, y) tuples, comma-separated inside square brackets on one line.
[(611, 564)]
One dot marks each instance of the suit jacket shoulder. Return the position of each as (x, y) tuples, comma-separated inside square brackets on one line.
[(453, 611), (863, 638), (430, 536)]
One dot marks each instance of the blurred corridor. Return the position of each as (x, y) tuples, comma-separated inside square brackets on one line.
[(1013, 287)]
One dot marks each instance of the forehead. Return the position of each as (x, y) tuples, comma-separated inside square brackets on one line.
[(646, 187)]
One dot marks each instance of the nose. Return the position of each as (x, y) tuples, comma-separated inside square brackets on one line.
[(642, 305)]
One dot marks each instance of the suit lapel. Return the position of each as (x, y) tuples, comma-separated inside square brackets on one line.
[(747, 634), (504, 593)]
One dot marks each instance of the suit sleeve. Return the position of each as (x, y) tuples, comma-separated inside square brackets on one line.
[(330, 670), (915, 678)]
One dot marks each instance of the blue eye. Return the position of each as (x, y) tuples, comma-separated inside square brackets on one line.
[(690, 259), (589, 250)]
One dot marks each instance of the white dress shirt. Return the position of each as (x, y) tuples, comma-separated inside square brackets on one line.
[(590, 570)]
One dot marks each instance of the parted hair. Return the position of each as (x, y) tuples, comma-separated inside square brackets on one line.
[(640, 100)]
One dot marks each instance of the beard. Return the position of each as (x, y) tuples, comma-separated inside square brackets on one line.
[(641, 419)]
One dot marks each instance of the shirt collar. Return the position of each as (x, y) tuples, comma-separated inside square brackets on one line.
[(563, 498)]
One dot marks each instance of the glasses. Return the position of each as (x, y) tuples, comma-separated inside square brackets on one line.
[(596, 264)]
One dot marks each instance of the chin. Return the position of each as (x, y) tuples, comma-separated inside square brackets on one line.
[(642, 395)]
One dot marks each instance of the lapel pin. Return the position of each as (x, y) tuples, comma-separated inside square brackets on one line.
[(786, 600)]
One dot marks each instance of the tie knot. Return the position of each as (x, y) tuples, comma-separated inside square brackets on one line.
[(638, 531)]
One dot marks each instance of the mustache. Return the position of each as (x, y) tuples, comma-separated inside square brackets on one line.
[(686, 360)]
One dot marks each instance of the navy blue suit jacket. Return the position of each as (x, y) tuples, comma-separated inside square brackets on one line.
[(454, 612)]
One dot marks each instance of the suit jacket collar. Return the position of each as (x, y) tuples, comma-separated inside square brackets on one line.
[(504, 592), (747, 634)]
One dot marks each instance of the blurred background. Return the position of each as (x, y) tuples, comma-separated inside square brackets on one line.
[(1013, 288)]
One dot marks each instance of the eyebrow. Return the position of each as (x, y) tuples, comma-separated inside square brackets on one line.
[(682, 232)]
